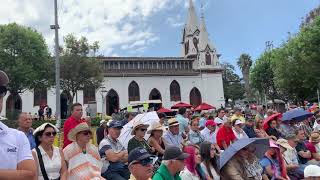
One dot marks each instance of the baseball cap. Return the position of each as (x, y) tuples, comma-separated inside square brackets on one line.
[(210, 122), (174, 153), (4, 80), (115, 124), (138, 154), (238, 121), (312, 171)]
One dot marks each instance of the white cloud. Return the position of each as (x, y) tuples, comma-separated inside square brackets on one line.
[(114, 23)]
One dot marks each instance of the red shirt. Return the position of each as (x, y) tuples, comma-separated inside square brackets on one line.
[(312, 148), (69, 124), (225, 134)]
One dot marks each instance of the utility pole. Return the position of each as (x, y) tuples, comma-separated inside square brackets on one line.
[(57, 63)]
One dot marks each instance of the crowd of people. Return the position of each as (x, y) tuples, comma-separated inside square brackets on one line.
[(187, 146)]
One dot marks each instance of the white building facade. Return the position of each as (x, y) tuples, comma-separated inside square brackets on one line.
[(194, 77)]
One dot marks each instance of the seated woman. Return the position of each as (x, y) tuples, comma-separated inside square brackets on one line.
[(237, 129), (273, 163), (155, 139), (192, 170), (194, 135), (139, 131), (261, 133), (82, 158), (253, 168), (271, 129), (209, 160), (49, 159)]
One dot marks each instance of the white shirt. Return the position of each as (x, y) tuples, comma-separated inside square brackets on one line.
[(239, 135), (52, 165), (185, 174), (213, 171), (14, 147), (211, 137)]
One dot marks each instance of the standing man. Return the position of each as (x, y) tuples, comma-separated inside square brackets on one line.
[(16, 160), (72, 121), (25, 123)]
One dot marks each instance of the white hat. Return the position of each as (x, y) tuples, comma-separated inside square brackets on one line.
[(80, 127), (312, 171), (43, 126), (138, 124), (238, 121)]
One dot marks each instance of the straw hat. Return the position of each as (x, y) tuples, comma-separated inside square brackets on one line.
[(156, 126), (284, 143), (315, 137), (80, 127), (138, 124), (173, 122), (43, 126)]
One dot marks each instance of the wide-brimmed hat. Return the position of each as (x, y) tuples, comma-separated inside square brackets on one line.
[(315, 137), (79, 128), (173, 122), (138, 124), (284, 143), (4, 80), (174, 153), (43, 126), (155, 127)]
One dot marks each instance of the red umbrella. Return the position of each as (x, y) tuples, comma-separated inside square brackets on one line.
[(204, 106), (180, 105), (164, 110), (270, 118)]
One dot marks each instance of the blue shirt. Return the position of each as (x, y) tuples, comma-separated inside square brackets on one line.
[(183, 123), (249, 131), (30, 137), (202, 122), (265, 162), (172, 140)]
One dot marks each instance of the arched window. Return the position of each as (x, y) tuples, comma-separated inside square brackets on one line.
[(89, 94), (175, 94), (195, 97), (40, 97), (155, 94), (133, 90), (195, 43), (208, 58)]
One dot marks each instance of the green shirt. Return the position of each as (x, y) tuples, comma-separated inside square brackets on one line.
[(134, 143), (164, 174)]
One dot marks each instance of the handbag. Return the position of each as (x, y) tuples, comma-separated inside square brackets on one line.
[(42, 168)]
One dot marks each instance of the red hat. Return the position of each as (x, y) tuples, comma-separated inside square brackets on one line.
[(210, 122)]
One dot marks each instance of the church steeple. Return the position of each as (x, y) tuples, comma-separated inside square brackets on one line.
[(192, 20)]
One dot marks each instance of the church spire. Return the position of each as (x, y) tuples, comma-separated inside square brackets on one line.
[(192, 20), (204, 36)]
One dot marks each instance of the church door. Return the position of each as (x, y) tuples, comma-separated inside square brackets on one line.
[(195, 97), (112, 102)]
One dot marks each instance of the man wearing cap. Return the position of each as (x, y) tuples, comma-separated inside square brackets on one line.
[(248, 128), (312, 172), (140, 164), (172, 164), (313, 147), (72, 121), (172, 137), (114, 156), (225, 135), (16, 160), (209, 133)]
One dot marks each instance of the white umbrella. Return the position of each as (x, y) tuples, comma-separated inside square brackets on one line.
[(145, 118)]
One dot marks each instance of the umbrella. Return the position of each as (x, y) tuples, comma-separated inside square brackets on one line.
[(180, 105), (145, 118), (296, 114), (164, 110), (261, 145), (204, 106), (270, 118)]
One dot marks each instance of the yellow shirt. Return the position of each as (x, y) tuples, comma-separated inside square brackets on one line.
[(234, 117)]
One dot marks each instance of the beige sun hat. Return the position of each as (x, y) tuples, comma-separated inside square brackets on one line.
[(156, 126), (138, 124), (80, 127), (284, 143), (315, 137), (173, 122)]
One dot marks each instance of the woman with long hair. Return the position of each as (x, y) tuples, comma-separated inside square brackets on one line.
[(209, 160), (192, 170), (155, 139), (49, 159), (261, 133)]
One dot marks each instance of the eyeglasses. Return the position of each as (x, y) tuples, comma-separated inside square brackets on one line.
[(144, 162), (143, 130), (49, 134), (86, 133), (3, 91)]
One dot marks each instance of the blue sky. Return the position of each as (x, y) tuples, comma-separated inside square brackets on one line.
[(153, 27)]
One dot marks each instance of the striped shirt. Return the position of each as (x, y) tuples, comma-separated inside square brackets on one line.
[(83, 166)]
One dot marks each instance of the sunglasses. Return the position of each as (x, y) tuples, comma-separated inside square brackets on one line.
[(49, 134), (144, 162), (143, 130), (86, 133), (3, 91)]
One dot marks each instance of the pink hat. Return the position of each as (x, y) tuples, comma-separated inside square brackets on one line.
[(210, 122), (273, 144)]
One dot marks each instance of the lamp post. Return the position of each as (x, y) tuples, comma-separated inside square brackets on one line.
[(103, 93)]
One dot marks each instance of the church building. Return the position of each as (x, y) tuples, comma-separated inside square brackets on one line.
[(193, 77)]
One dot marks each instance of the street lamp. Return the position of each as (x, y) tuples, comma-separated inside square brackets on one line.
[(103, 93)]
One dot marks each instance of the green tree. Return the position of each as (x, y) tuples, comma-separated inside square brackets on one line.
[(244, 62), (78, 70), (25, 58), (233, 88)]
